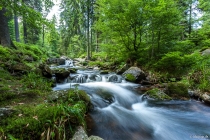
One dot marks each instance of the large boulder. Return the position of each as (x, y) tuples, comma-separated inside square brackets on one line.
[(61, 73), (45, 70), (134, 74), (200, 95), (206, 52), (57, 61)]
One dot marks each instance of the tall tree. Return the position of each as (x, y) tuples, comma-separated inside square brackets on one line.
[(4, 29)]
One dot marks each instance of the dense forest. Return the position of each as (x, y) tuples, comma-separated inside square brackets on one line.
[(168, 39)]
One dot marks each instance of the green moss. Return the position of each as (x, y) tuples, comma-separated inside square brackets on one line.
[(78, 95), (130, 77), (158, 94), (177, 90)]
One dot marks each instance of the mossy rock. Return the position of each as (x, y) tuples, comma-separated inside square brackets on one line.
[(130, 77), (157, 94), (79, 95), (177, 90)]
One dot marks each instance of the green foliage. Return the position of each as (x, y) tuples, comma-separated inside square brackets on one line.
[(34, 81), (199, 77), (186, 46), (176, 64), (96, 63), (157, 94), (47, 120), (177, 90), (4, 53)]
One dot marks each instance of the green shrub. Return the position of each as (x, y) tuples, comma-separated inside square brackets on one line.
[(176, 64), (177, 90), (200, 75)]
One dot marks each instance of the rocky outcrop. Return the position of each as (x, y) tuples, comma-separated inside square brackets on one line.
[(45, 70), (81, 135), (114, 78), (206, 52), (134, 74), (61, 73), (56, 61), (200, 95)]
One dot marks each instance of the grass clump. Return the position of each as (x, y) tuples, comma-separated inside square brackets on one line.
[(34, 81)]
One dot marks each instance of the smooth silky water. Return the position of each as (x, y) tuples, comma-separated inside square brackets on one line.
[(120, 113)]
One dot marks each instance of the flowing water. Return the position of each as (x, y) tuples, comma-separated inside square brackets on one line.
[(120, 113)]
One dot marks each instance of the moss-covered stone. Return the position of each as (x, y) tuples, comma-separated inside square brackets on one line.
[(157, 94), (130, 77), (177, 90)]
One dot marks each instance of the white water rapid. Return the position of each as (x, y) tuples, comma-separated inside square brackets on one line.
[(120, 113)]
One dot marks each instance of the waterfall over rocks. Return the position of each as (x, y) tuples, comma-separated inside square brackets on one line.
[(119, 112)]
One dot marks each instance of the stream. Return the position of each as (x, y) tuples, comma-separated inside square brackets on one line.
[(121, 113)]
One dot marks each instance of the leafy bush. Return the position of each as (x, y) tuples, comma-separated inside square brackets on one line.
[(176, 64), (200, 75)]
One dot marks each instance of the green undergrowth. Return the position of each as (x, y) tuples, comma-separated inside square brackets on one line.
[(177, 90), (47, 120)]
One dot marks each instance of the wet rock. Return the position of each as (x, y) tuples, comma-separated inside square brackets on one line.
[(94, 138), (206, 52), (61, 73), (206, 97), (57, 61), (157, 94), (134, 74), (114, 78), (81, 135), (6, 111), (45, 70)]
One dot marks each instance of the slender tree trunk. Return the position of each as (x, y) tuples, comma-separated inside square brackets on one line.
[(159, 37), (4, 29), (25, 35), (43, 34), (17, 34), (190, 19), (88, 30)]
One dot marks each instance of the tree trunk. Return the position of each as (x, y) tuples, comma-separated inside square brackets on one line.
[(25, 35), (43, 34), (17, 34), (4, 30), (88, 30)]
